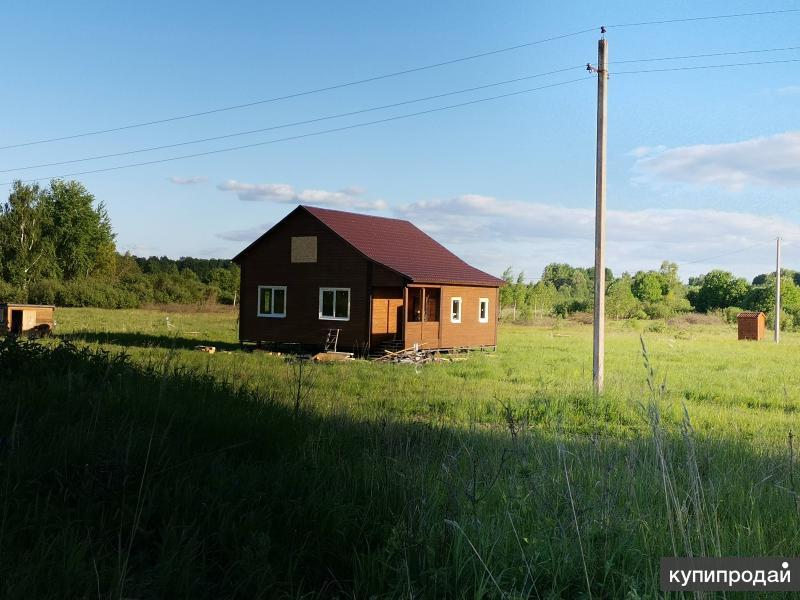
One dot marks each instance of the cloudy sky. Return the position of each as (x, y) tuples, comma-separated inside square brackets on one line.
[(703, 164)]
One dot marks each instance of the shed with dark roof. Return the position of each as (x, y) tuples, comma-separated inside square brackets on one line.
[(378, 281)]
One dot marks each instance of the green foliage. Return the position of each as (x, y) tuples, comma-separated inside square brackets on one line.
[(57, 247), (730, 313), (720, 289), (81, 233), (169, 473), (649, 286), (620, 301)]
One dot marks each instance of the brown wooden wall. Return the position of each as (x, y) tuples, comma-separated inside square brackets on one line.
[(32, 316), (387, 314), (752, 327), (338, 265), (469, 332)]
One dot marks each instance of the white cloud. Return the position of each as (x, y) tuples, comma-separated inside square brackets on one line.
[(495, 233), (193, 180), (772, 161), (642, 151), (789, 90), (283, 193), (244, 235)]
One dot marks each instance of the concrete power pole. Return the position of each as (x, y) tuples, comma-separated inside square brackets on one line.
[(777, 290), (598, 363)]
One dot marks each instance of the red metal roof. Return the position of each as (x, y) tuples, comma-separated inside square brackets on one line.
[(400, 246)]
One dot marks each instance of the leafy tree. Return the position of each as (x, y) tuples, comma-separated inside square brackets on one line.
[(507, 291), (720, 289), (649, 286), (26, 250), (620, 301), (81, 232)]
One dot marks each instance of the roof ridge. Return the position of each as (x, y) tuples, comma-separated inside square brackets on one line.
[(311, 208)]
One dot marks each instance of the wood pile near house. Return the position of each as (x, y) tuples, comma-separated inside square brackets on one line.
[(417, 356)]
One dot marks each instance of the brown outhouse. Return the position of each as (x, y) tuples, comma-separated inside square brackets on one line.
[(751, 325), (25, 318), (373, 281)]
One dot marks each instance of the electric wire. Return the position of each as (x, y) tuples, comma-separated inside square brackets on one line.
[(699, 67), (303, 93), (293, 124), (710, 55), (389, 75), (304, 135), (706, 18), (738, 250), (413, 101)]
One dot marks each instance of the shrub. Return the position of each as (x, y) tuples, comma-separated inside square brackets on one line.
[(44, 291), (91, 292), (11, 293), (730, 313)]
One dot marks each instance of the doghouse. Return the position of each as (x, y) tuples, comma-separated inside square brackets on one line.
[(751, 325), (17, 319)]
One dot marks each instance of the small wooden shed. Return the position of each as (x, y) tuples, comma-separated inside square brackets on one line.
[(17, 319), (751, 325)]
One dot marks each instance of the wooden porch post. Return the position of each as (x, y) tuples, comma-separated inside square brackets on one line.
[(405, 316)]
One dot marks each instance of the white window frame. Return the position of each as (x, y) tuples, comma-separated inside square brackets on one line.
[(272, 315), (481, 302), (460, 309), (334, 290)]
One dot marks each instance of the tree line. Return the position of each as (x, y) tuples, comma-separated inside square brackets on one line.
[(654, 294), (57, 246)]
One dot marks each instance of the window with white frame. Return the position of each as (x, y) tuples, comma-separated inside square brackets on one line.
[(483, 310), (334, 304), (272, 301), (455, 310)]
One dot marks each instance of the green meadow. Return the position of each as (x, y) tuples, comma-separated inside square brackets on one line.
[(135, 466)]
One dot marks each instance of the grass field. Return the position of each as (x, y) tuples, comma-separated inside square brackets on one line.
[(171, 472)]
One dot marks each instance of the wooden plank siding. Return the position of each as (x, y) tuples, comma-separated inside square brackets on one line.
[(338, 265), (33, 315), (470, 332), (380, 261), (387, 314)]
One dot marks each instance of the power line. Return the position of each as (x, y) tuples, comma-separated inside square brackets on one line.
[(304, 135), (738, 250), (707, 18), (713, 54), (292, 124), (746, 64), (412, 101), (303, 93), (385, 76)]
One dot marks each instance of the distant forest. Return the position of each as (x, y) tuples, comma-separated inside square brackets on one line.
[(657, 294), (57, 246)]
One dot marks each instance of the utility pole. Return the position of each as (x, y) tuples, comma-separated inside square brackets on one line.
[(778, 290), (598, 363)]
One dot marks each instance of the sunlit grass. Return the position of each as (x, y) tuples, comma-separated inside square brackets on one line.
[(174, 473)]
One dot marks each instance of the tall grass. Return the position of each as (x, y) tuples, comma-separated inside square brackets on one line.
[(148, 477)]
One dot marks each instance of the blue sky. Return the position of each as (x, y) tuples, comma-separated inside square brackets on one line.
[(701, 163)]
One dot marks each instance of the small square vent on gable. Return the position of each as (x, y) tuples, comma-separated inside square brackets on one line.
[(304, 249)]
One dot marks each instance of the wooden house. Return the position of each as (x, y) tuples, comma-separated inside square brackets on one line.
[(751, 325), (375, 280), (17, 319)]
